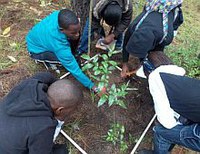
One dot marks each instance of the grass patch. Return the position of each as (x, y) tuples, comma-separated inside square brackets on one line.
[(186, 46)]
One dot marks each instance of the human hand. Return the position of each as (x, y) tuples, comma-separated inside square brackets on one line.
[(102, 91), (125, 70), (109, 39), (99, 92)]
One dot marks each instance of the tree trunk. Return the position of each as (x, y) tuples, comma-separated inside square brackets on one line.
[(81, 7)]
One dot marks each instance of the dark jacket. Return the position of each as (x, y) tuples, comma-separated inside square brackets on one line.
[(98, 7), (149, 34), (27, 123), (183, 94)]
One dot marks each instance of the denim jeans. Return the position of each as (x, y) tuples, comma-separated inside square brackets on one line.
[(83, 47), (187, 136)]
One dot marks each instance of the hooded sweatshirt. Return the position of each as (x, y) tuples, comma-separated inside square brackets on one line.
[(100, 5), (148, 36), (27, 123)]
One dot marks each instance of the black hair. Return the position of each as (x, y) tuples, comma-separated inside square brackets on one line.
[(112, 14), (66, 17)]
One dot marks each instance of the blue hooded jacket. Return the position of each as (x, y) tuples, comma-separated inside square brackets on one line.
[(46, 36)]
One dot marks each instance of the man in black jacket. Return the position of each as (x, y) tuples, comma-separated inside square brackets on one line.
[(30, 113), (147, 33), (116, 13)]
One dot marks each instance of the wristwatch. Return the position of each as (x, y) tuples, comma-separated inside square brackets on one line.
[(96, 90)]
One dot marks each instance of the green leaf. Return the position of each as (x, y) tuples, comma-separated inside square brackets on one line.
[(111, 99), (97, 72), (121, 103), (103, 78), (110, 54), (95, 68), (113, 87), (105, 57), (101, 85), (87, 66), (111, 68), (105, 65), (123, 87), (113, 63), (96, 59), (102, 100), (85, 56), (94, 77), (101, 67), (122, 129)]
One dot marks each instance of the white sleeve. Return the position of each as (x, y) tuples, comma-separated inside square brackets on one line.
[(171, 69), (165, 114)]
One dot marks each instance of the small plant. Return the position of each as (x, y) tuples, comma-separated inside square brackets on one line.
[(102, 67), (116, 136)]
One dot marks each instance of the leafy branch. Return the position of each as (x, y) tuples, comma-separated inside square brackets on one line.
[(102, 67)]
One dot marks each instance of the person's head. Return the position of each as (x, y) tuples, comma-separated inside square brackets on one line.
[(112, 14), (69, 23), (156, 59), (64, 97)]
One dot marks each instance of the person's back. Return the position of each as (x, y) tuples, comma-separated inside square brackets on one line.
[(176, 102), (46, 35), (30, 113), (148, 33), (26, 117), (174, 94)]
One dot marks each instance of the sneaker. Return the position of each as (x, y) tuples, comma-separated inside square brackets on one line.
[(54, 67), (101, 45), (106, 47)]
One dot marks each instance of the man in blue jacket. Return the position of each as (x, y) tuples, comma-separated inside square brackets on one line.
[(31, 113), (49, 41)]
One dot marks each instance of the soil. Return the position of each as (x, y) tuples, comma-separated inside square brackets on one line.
[(89, 125)]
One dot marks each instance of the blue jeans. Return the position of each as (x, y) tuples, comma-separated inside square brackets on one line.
[(83, 47), (187, 136)]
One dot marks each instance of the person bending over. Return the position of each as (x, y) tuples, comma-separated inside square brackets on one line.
[(152, 30), (32, 113), (176, 100), (52, 41)]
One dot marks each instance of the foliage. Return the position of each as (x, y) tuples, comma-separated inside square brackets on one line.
[(102, 67), (116, 136), (186, 46)]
